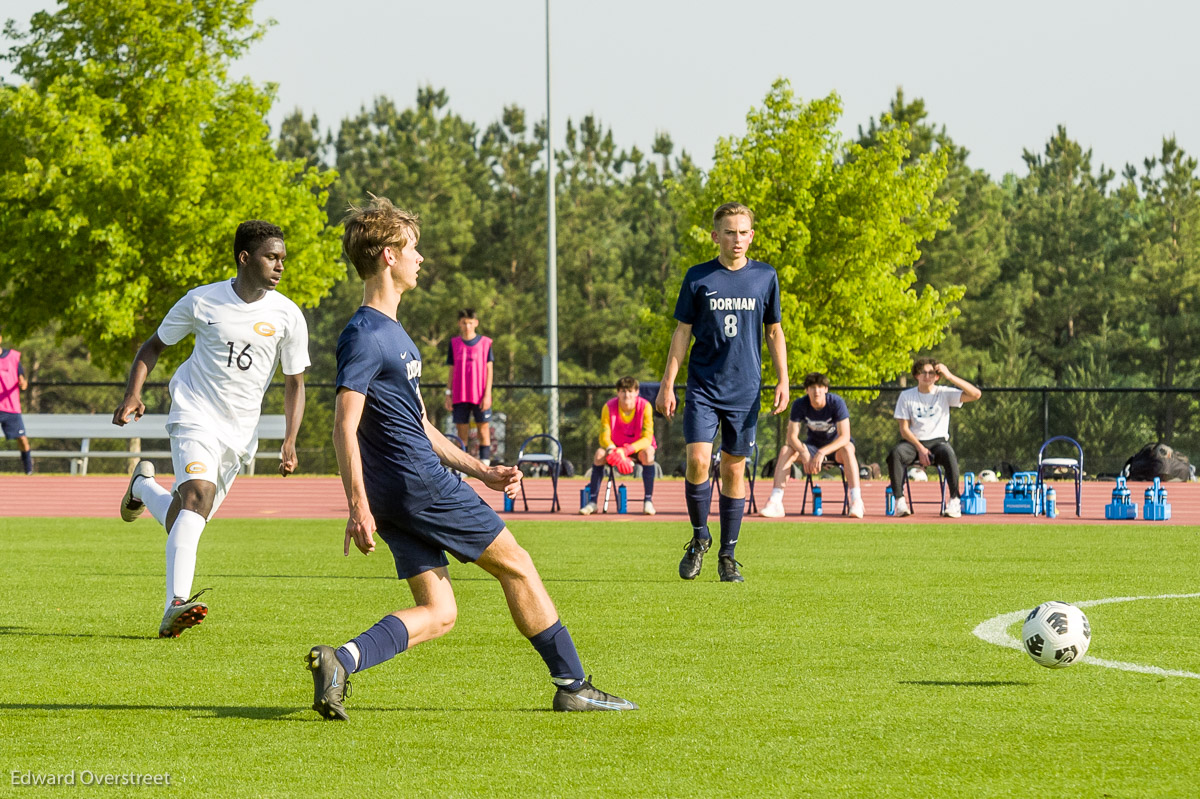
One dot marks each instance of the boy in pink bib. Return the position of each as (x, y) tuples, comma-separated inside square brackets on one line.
[(470, 393), (626, 430), (12, 383)]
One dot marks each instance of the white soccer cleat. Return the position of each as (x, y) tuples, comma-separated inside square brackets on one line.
[(773, 509), (588, 509), (902, 508), (856, 508), (953, 508), (648, 508)]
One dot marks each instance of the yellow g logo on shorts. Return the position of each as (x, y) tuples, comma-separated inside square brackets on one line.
[(195, 467), (264, 329)]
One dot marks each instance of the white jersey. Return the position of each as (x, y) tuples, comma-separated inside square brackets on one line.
[(928, 415), (220, 386)]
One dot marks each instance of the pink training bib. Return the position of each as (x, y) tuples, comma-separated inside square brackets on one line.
[(10, 388), (627, 432), (468, 373)]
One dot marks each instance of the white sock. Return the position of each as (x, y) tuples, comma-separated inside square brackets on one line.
[(855, 494), (776, 493), (352, 648), (181, 553), (156, 498)]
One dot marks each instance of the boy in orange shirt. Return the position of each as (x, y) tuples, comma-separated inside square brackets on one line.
[(627, 429)]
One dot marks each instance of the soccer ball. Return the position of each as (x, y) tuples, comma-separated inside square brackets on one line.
[(1056, 634)]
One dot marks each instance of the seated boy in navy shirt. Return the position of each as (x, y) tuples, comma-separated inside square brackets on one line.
[(827, 419)]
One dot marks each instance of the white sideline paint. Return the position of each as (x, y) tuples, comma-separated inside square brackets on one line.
[(994, 631)]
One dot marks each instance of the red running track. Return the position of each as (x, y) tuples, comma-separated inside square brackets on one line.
[(322, 498)]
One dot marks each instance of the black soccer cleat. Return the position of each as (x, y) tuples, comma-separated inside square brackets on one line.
[(132, 508), (182, 614), (589, 697), (331, 683), (727, 570), (693, 558)]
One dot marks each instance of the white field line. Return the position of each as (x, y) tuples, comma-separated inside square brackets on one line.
[(994, 631)]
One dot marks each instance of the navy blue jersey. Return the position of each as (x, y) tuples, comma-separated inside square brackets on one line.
[(727, 310), (821, 423), (377, 358)]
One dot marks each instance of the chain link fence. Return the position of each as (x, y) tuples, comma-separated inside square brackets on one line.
[(1003, 431)]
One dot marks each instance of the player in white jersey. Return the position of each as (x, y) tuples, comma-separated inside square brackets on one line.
[(244, 329)]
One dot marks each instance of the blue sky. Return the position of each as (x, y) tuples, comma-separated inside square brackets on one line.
[(1000, 77)]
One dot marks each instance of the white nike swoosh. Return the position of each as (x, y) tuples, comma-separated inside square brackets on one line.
[(709, 294), (403, 355), (624, 704)]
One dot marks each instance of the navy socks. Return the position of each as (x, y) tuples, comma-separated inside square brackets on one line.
[(27, 461), (388, 638), (648, 480), (594, 486), (731, 511), (555, 646), (699, 499)]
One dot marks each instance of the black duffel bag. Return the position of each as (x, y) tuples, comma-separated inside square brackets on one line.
[(1157, 460)]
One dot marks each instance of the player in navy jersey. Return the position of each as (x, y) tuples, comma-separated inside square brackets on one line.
[(391, 461), (725, 304)]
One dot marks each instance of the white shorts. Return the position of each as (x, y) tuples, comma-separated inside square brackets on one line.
[(199, 455)]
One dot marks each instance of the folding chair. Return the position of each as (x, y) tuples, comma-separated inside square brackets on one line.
[(458, 442), (552, 460), (1075, 465), (808, 481), (751, 470), (906, 489)]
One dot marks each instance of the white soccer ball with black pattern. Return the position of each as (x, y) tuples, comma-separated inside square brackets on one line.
[(1056, 634)]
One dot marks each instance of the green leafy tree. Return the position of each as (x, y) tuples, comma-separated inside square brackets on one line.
[(1064, 235), (969, 252), (128, 157), (841, 224), (1165, 283)]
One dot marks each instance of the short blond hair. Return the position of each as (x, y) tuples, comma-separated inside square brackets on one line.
[(370, 229), (731, 209)]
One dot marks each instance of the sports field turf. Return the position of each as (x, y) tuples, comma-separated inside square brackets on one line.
[(844, 666)]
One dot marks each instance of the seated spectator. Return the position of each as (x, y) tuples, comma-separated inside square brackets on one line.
[(627, 430), (923, 414), (827, 420)]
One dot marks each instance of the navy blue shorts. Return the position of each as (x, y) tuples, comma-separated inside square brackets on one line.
[(12, 424), (738, 428), (813, 447), (460, 523), (463, 411)]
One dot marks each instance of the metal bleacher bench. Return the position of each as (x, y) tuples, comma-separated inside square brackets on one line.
[(83, 427)]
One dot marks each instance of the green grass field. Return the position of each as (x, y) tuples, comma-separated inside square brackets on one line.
[(844, 666)]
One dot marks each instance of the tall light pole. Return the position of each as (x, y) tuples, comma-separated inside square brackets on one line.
[(551, 256)]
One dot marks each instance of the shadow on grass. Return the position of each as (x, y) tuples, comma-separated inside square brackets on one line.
[(966, 683), (260, 713), (23, 632), (216, 711), (392, 578)]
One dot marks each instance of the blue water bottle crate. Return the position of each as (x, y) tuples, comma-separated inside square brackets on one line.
[(1022, 494), (973, 501), (1122, 506), (1155, 507)]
